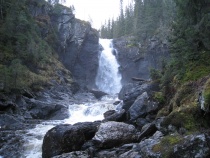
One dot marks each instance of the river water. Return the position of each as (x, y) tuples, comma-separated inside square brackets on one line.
[(107, 80)]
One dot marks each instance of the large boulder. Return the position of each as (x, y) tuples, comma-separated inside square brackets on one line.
[(97, 93), (130, 93), (147, 130), (66, 138), (112, 115), (142, 107), (112, 134), (44, 110), (114, 152), (193, 146)]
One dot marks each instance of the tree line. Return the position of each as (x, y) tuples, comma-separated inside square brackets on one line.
[(141, 19)]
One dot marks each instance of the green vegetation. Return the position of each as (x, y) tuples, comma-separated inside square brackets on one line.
[(27, 57), (142, 19), (159, 97), (165, 147)]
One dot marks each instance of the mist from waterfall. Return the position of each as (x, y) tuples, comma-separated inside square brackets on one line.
[(108, 78)]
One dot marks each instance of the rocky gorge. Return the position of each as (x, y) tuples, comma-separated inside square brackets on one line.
[(140, 124)]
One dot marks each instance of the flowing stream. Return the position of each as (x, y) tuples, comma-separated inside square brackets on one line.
[(108, 80)]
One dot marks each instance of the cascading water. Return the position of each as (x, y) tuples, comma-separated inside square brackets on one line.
[(78, 113), (108, 78)]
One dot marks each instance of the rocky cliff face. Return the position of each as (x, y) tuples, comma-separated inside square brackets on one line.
[(79, 46), (136, 60), (76, 41)]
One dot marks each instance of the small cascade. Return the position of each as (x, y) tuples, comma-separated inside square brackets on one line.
[(108, 78), (85, 112)]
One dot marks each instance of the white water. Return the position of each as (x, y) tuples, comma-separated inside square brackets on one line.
[(78, 113), (108, 78)]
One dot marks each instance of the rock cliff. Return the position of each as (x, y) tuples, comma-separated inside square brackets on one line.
[(75, 41), (136, 60), (78, 49)]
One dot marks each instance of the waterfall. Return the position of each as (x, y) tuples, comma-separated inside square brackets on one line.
[(108, 78)]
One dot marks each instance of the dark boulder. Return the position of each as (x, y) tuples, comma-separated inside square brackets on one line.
[(115, 152), (193, 146), (145, 147), (66, 138), (131, 94), (97, 93), (142, 107), (126, 89), (109, 113), (112, 115), (43, 110), (117, 102), (140, 122), (112, 134), (147, 131)]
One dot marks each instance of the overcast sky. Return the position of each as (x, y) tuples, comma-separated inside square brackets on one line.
[(96, 11)]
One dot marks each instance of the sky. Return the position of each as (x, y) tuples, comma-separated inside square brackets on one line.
[(96, 11)]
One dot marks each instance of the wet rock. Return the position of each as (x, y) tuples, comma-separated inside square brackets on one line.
[(130, 154), (75, 154), (114, 152), (44, 110), (126, 89), (112, 134), (112, 115), (130, 97), (144, 148), (142, 107), (158, 123), (140, 122), (147, 130), (117, 102), (9, 122), (67, 138), (109, 113), (11, 144), (98, 94), (193, 146), (139, 107)]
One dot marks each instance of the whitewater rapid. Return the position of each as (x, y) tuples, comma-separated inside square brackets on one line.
[(85, 112)]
